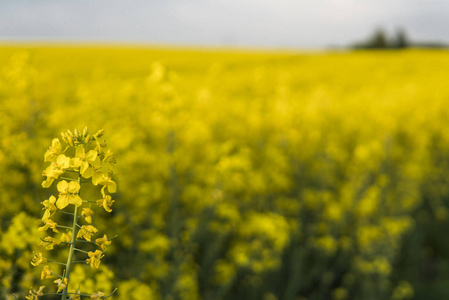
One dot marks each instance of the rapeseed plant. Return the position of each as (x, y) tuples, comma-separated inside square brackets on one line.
[(78, 157)]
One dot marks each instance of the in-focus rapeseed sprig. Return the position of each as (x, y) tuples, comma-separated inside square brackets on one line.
[(78, 157)]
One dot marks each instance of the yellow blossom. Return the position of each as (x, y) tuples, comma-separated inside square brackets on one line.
[(95, 258), (109, 157), (49, 242), (83, 161), (68, 194), (99, 134), (54, 150), (38, 259), (34, 295), (62, 284), (55, 169), (86, 231), (46, 272), (103, 242), (66, 237), (105, 180), (106, 202), (87, 214), (49, 223), (49, 207), (76, 296), (98, 295)]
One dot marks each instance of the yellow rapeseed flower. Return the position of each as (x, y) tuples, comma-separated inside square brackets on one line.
[(98, 295), (46, 272), (68, 194), (84, 161), (34, 295), (49, 223), (66, 237), (49, 242), (95, 258), (49, 207), (38, 259), (86, 231), (54, 150), (55, 169), (62, 284), (105, 180), (103, 242), (106, 202), (76, 296), (87, 214)]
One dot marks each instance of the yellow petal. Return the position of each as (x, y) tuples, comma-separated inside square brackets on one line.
[(112, 188), (63, 186), (63, 161), (97, 178), (47, 183), (56, 144), (75, 162), (52, 199), (88, 172), (91, 155), (73, 187), (80, 151), (76, 200), (49, 156), (83, 167), (46, 215), (62, 202)]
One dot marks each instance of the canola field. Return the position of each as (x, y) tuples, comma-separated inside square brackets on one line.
[(240, 174)]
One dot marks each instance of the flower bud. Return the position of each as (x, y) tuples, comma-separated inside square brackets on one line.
[(87, 139), (70, 140), (69, 133), (77, 133), (64, 137), (85, 131), (99, 133)]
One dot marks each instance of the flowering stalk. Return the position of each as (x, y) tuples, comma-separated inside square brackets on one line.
[(97, 164), (72, 243)]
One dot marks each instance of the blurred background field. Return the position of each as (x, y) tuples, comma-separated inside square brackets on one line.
[(242, 174)]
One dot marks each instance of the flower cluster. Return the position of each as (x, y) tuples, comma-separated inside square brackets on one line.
[(80, 158)]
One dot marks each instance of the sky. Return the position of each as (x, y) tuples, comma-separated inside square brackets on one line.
[(216, 23)]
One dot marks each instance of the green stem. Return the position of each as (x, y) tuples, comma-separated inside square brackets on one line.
[(65, 212), (83, 241), (54, 274), (81, 250), (72, 246), (68, 178), (56, 262), (61, 226), (83, 295)]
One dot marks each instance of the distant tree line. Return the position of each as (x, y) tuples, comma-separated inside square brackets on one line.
[(380, 40)]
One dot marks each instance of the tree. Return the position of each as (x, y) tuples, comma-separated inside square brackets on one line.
[(401, 39)]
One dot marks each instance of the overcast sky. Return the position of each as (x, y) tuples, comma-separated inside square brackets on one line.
[(238, 23)]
